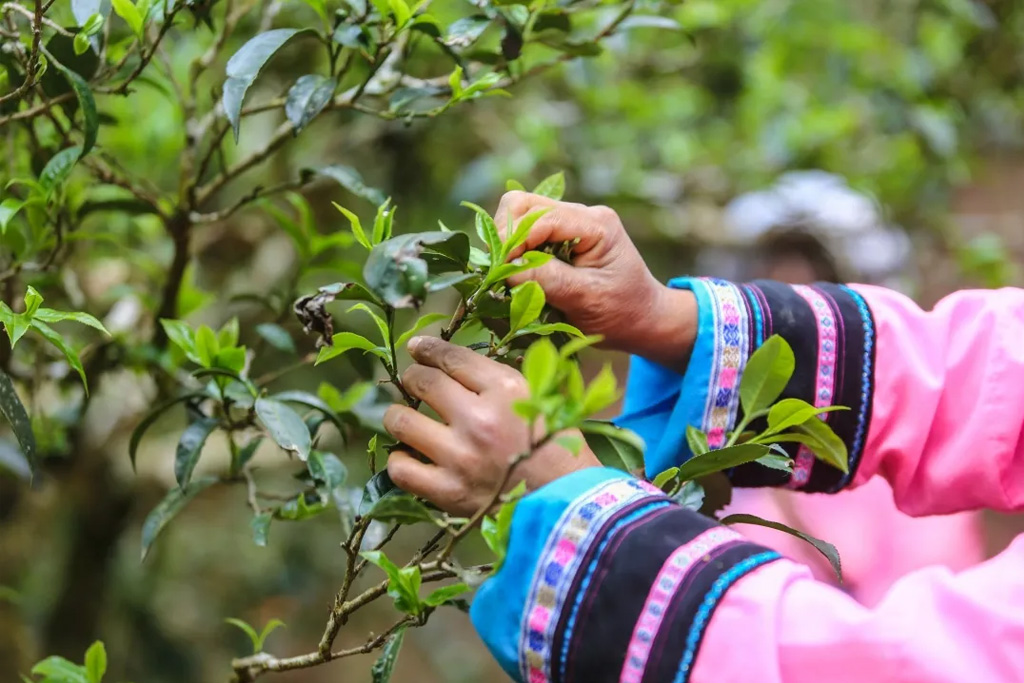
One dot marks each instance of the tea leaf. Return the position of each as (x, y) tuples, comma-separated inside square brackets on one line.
[(827, 549)]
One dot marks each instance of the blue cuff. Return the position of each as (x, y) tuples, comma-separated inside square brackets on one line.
[(660, 403), (551, 530)]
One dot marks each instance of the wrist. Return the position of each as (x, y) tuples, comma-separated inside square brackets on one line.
[(669, 330)]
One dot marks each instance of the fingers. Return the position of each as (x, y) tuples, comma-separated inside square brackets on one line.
[(437, 390), (434, 483), (517, 204), (431, 438), (564, 222), (471, 370), (562, 283)]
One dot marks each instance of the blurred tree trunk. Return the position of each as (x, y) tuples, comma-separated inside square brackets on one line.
[(99, 509)]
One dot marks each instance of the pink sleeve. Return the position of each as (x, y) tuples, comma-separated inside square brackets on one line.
[(933, 627), (948, 411)]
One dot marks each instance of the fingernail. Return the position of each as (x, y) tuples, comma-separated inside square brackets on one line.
[(414, 344)]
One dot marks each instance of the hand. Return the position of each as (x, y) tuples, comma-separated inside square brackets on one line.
[(470, 451), (608, 289)]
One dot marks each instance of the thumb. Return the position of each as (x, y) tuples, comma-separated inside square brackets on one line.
[(562, 283)]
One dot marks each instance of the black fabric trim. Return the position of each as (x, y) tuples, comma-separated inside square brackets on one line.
[(789, 315), (849, 365), (617, 592), (670, 641), (588, 558)]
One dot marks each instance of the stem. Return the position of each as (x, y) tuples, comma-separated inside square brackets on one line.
[(392, 367)]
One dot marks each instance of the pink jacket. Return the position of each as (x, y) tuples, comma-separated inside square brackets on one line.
[(946, 433), (607, 580)]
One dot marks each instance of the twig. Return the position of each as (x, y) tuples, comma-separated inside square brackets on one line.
[(33, 59)]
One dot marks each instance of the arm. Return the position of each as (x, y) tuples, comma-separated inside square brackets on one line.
[(606, 580), (935, 398)]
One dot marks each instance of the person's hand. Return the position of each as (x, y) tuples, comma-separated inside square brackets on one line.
[(608, 289), (470, 451)]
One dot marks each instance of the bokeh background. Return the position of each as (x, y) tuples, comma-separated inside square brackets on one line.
[(917, 105)]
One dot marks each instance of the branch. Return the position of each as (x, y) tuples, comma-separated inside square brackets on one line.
[(33, 59), (256, 193)]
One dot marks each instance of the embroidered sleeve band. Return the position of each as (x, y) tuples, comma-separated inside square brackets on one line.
[(617, 583), (831, 330)]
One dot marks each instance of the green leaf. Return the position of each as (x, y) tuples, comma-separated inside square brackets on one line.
[(377, 488), (70, 354), (207, 346), (697, 440), (350, 179), (311, 401), (418, 326), (33, 299), (497, 530), (96, 662), (776, 462), (400, 509), (48, 315), (14, 410), (383, 222), (488, 232), (182, 336), (397, 274), (571, 443), (827, 446), (87, 104), (514, 186), (150, 418), (175, 500), (690, 495), (244, 66), (602, 392), (522, 230), (665, 477), (81, 43), (455, 82), (343, 402), (58, 168), (540, 367), (269, 628), (60, 670), (528, 261), (443, 595), (766, 375), (552, 187), (254, 637), (299, 507), (527, 302), (276, 336), (791, 412), (827, 549), (614, 446), (9, 208), (357, 226), (127, 10), (385, 664), (190, 447), (307, 98), (574, 346), (722, 459), (260, 525), (342, 342), (285, 427), (403, 583), (327, 470), (382, 326)]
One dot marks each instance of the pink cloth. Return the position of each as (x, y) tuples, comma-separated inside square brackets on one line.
[(946, 433)]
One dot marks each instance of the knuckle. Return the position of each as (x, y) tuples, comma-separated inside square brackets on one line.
[(400, 473), (603, 213), (511, 383), (488, 425), (417, 380)]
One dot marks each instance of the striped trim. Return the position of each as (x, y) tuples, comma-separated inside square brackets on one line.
[(672, 574), (732, 348), (867, 386), (566, 546), (630, 521), (824, 391), (707, 607)]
